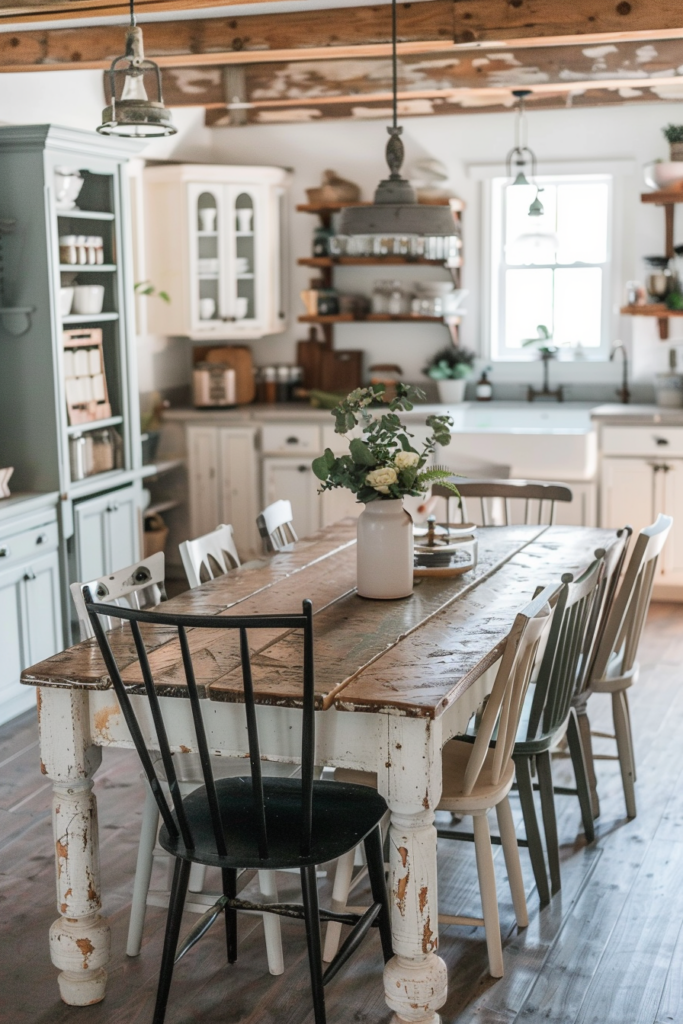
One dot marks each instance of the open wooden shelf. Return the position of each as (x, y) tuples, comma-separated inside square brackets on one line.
[(654, 309), (372, 261), (376, 318), (336, 318), (663, 197)]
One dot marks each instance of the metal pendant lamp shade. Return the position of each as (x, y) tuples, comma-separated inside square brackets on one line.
[(396, 223), (521, 156), (131, 113)]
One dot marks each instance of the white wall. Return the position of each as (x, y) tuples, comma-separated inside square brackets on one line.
[(356, 151)]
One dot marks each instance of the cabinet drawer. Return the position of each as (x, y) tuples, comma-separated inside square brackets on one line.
[(659, 441), (290, 439), (28, 544)]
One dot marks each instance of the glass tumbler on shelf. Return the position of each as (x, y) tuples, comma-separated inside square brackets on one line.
[(380, 297)]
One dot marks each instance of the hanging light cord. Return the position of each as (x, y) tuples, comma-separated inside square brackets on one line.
[(394, 62), (132, 14)]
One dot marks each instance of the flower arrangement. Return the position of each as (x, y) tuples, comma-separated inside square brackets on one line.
[(452, 363), (383, 464)]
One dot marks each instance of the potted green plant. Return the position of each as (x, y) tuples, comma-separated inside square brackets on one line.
[(381, 468), (673, 133), (450, 368)]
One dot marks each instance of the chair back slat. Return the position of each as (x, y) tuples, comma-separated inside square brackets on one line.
[(613, 557), (276, 527), (213, 554), (127, 710), (504, 705), (565, 659), (202, 745), (254, 749), (140, 585), (177, 824), (164, 745), (624, 626)]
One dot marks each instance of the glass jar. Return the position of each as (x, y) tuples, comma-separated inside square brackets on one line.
[(269, 382), (283, 385), (67, 249), (321, 241), (381, 292), (81, 250), (399, 300)]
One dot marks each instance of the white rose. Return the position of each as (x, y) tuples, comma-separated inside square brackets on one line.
[(381, 478), (406, 460)]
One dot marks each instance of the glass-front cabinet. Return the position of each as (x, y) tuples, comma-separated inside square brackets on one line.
[(214, 239)]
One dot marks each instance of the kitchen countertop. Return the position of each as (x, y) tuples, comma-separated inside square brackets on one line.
[(25, 503), (637, 416)]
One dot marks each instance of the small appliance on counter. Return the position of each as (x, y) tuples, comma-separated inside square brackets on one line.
[(213, 386)]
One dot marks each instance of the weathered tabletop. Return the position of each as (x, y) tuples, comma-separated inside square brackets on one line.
[(417, 654)]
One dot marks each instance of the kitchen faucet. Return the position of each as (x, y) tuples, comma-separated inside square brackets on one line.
[(623, 392)]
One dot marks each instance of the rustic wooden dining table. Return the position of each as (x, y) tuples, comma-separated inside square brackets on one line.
[(394, 681)]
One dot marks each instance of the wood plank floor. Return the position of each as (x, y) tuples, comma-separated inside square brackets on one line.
[(608, 949)]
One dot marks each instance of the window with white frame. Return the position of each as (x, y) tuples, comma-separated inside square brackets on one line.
[(553, 270)]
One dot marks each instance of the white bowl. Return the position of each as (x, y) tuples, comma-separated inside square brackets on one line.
[(88, 299), (66, 298), (664, 174), (439, 288)]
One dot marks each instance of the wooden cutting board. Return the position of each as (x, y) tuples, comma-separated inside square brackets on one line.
[(328, 369)]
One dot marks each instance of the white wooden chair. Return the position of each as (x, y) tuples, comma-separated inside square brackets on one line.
[(209, 556), (137, 586), (142, 586), (477, 778), (276, 527), (615, 668), (534, 493)]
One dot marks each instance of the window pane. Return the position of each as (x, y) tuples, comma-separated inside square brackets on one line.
[(578, 306), (582, 222), (528, 303), (522, 231)]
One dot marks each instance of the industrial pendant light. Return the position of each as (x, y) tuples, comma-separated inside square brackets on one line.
[(395, 223), (520, 155), (133, 114)]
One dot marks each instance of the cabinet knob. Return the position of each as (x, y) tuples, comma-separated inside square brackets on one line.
[(661, 441), (41, 538), (303, 469), (5, 552), (292, 440), (113, 507), (29, 575)]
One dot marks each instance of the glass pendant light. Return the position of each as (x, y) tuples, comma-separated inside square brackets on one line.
[(520, 155), (395, 223), (133, 114)]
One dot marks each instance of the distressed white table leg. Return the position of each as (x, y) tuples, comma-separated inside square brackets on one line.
[(415, 979), (79, 939)]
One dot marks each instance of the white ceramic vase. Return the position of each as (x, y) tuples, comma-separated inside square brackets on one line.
[(385, 551), (451, 392)]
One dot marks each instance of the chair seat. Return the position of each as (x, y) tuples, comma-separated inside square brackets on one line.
[(343, 815), (486, 793), (613, 681)]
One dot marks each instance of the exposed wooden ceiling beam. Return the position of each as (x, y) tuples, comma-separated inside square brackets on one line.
[(363, 31), (26, 11)]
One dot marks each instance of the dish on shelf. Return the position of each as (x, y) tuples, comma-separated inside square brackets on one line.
[(664, 174), (68, 184), (88, 299)]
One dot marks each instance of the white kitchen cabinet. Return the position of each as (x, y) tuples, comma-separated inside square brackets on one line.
[(30, 610), (214, 239), (107, 533), (635, 491), (222, 469), (295, 481), (338, 504)]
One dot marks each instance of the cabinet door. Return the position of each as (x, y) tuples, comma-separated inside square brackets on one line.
[(106, 533), (238, 487), (249, 282), (294, 480), (121, 530), (42, 608), (627, 493), (671, 481), (202, 451), (13, 638), (338, 504), (209, 260)]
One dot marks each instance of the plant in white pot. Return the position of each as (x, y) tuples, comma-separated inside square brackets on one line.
[(382, 468), (450, 368), (673, 133)]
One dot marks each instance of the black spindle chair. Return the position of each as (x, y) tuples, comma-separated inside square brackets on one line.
[(250, 822)]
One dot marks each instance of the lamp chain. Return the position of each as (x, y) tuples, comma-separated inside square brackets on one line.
[(394, 62), (132, 14)]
